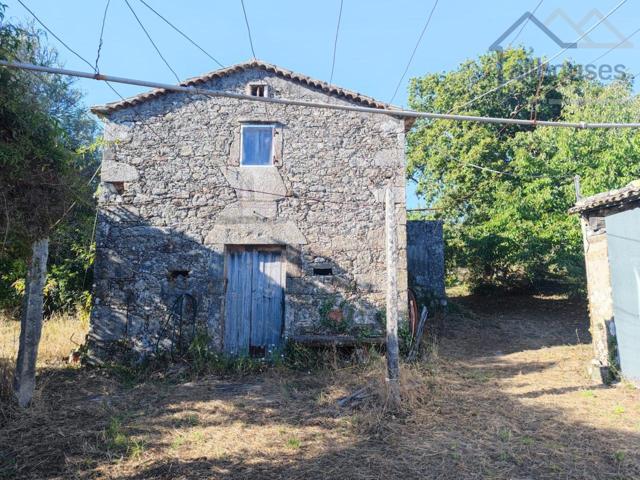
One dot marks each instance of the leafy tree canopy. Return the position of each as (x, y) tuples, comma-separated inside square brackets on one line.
[(45, 164), (512, 227)]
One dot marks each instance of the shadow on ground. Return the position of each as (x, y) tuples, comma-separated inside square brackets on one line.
[(503, 398), (502, 324)]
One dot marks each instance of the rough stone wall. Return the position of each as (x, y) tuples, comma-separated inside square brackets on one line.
[(185, 199), (598, 291), (425, 256)]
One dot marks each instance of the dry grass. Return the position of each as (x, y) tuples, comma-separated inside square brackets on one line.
[(61, 334), (505, 397)]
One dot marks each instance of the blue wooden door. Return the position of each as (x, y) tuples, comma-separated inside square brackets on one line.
[(254, 303)]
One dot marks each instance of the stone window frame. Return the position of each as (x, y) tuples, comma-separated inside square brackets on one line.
[(273, 157), (234, 159)]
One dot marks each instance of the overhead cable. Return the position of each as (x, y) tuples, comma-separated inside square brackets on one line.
[(624, 40), (93, 67), (193, 42), (55, 36), (104, 20), (246, 21), (151, 40), (335, 43), (524, 24), (304, 103), (415, 49)]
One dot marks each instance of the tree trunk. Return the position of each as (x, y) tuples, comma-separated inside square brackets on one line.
[(393, 360), (31, 324)]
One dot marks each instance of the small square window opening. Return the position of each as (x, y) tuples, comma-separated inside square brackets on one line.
[(257, 145), (325, 271), (258, 90), (178, 274), (118, 187)]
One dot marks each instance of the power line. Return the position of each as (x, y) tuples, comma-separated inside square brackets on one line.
[(104, 19), (449, 157), (152, 42), (335, 43), (95, 76), (627, 38), (135, 114), (55, 36), (305, 103), (158, 50), (515, 175), (525, 24), (246, 21), (193, 42), (546, 62), (415, 49)]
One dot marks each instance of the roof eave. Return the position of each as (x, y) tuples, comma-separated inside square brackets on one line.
[(615, 198), (329, 89)]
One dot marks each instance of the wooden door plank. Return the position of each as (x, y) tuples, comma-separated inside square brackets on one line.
[(277, 299), (256, 303), (231, 302), (244, 319)]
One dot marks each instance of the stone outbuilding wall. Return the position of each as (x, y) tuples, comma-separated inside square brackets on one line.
[(609, 223), (174, 199), (599, 292)]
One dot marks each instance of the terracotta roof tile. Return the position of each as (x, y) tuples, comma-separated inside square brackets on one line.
[(609, 199), (284, 73)]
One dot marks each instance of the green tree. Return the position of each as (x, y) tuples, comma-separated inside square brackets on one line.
[(43, 125), (512, 228)]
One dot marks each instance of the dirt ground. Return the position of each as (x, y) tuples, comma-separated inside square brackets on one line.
[(504, 396)]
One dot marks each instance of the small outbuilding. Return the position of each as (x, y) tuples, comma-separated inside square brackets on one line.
[(611, 232)]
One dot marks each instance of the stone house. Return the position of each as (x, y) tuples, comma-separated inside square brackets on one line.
[(251, 222), (611, 232)]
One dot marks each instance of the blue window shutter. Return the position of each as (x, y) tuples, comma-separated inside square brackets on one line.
[(256, 144)]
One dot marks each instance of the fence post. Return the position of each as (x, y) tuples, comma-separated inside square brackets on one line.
[(24, 381), (393, 361)]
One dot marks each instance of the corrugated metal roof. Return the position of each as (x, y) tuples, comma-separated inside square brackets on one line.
[(284, 73), (611, 198)]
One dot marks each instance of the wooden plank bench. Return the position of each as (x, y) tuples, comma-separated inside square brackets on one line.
[(336, 340)]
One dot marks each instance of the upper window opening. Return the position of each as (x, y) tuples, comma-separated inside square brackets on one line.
[(257, 145), (258, 90)]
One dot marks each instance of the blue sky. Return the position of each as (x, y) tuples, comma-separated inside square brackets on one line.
[(376, 37)]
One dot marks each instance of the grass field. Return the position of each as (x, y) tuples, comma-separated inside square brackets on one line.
[(61, 334), (504, 396)]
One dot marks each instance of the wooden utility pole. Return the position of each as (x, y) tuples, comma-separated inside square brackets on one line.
[(24, 381), (393, 355)]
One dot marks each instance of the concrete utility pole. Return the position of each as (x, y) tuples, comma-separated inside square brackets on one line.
[(24, 381), (393, 360)]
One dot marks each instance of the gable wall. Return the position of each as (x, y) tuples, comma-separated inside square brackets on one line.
[(179, 159)]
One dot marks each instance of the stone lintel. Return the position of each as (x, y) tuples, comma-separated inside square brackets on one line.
[(257, 233), (118, 172)]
